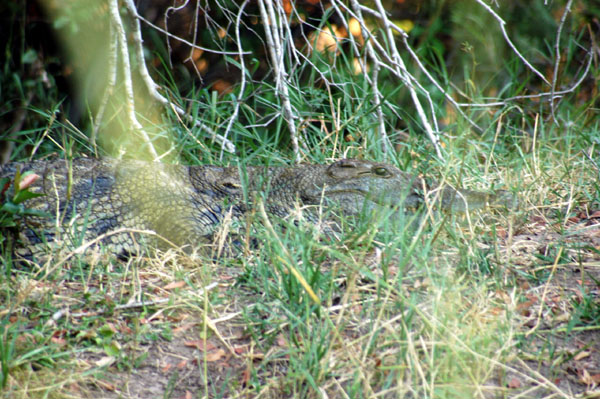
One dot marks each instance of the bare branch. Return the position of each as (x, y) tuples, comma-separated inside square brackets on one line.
[(447, 95), (557, 57), (272, 24), (243, 71), (399, 69), (374, 80), (556, 94), (179, 39), (166, 19), (510, 43), (152, 87)]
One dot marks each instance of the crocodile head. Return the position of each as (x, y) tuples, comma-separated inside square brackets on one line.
[(357, 185)]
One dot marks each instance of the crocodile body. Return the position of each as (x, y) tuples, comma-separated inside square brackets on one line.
[(184, 205)]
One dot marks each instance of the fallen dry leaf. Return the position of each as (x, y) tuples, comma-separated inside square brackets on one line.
[(281, 341), (174, 284), (595, 214), (199, 344), (183, 327), (501, 232), (514, 383), (564, 317), (587, 379), (256, 355), (245, 376), (166, 368), (105, 361), (181, 365), (106, 385), (582, 355), (214, 356), (58, 341)]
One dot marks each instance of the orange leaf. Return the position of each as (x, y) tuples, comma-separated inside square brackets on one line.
[(514, 383), (58, 341), (181, 365), (245, 376), (182, 328), (501, 232), (524, 306)]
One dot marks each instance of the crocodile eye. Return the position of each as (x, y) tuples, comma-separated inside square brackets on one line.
[(381, 171)]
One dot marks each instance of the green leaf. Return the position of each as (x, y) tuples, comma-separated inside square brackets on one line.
[(36, 212), (11, 208), (7, 223), (106, 331), (112, 349), (24, 195)]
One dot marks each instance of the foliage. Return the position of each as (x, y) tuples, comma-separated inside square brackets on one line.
[(478, 305)]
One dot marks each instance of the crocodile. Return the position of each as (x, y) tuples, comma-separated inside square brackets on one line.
[(184, 205)]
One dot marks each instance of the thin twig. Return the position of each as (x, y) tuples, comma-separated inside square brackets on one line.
[(166, 22), (447, 95), (378, 96), (509, 42), (538, 95), (401, 71), (18, 121), (275, 43), (592, 161), (186, 42), (557, 58), (152, 87), (242, 89)]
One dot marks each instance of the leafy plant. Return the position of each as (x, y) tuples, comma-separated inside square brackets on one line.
[(12, 200), (13, 207)]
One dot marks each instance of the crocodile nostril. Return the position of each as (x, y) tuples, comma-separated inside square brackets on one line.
[(230, 185), (346, 163)]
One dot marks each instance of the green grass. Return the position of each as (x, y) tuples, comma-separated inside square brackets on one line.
[(490, 304)]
